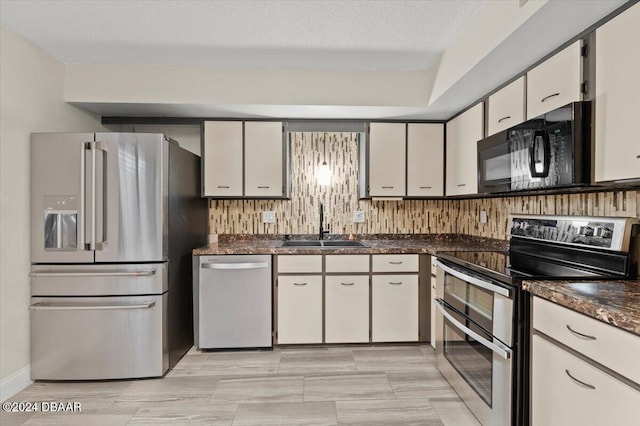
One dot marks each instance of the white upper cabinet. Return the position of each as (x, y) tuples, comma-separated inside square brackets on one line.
[(555, 82), (425, 159), (263, 162), (244, 159), (222, 159), (505, 108), (617, 97), (387, 159), (463, 134)]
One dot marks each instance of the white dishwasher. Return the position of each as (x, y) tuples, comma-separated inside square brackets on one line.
[(232, 301)]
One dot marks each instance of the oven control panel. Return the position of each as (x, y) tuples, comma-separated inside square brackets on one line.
[(590, 231)]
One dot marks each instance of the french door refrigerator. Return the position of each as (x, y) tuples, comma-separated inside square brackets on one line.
[(114, 217)]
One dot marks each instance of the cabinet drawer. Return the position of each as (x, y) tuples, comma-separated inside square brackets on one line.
[(608, 345), (347, 309), (300, 263), (395, 263), (347, 263), (299, 309), (559, 399), (98, 338)]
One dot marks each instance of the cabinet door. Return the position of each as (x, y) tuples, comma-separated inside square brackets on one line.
[(387, 159), (569, 391), (617, 97), (394, 308), (425, 159), (263, 159), (555, 82), (347, 309), (505, 108), (463, 134), (300, 309), (222, 158)]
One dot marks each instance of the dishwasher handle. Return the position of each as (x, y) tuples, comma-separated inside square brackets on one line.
[(235, 265)]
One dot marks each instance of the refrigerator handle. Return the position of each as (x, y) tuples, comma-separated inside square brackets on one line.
[(92, 243), (81, 208), (99, 245)]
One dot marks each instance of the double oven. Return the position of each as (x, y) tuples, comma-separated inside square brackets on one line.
[(483, 316), (475, 335)]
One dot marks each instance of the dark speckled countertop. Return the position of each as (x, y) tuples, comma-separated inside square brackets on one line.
[(375, 244), (614, 302)]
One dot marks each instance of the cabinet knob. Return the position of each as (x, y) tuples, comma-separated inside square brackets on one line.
[(637, 156), (549, 96), (346, 283), (425, 187), (299, 284), (387, 187), (223, 186), (264, 187), (504, 118), (462, 184), (395, 263), (395, 282)]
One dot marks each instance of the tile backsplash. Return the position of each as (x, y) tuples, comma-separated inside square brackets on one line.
[(299, 215)]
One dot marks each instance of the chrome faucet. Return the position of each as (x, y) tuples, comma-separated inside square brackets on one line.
[(322, 232)]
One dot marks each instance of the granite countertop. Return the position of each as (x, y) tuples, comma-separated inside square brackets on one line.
[(375, 244), (614, 302)]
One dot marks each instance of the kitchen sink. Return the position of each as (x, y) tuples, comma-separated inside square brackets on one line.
[(302, 243), (321, 244), (345, 243)]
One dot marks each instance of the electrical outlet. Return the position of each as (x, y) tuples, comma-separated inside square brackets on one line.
[(483, 216), (268, 216), (358, 216)]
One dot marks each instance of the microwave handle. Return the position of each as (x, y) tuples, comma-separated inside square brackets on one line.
[(539, 136)]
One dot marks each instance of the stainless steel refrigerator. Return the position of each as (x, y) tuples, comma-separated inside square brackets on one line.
[(114, 217)]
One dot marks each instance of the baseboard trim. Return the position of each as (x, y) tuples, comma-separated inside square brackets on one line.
[(14, 383)]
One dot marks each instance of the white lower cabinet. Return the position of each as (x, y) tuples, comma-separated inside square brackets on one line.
[(569, 391), (299, 309), (347, 309), (394, 308)]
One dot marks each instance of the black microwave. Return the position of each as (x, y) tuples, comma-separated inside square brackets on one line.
[(549, 151)]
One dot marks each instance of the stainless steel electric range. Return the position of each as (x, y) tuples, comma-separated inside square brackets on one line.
[(482, 320)]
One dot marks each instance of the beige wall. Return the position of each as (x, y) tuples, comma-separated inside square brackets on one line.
[(31, 100), (300, 214)]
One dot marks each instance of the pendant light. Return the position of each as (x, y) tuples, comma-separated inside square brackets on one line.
[(324, 172)]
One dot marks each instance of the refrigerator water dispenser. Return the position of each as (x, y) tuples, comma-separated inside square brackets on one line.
[(60, 223)]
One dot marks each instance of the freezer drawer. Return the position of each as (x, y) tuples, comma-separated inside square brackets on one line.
[(233, 302), (95, 338), (99, 280)]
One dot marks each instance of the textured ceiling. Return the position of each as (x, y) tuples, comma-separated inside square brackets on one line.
[(310, 34)]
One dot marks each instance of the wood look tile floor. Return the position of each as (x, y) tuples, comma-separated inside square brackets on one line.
[(337, 385)]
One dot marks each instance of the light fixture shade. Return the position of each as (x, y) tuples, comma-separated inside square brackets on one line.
[(324, 174)]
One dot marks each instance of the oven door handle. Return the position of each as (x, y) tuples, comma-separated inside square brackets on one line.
[(498, 349), (475, 281)]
